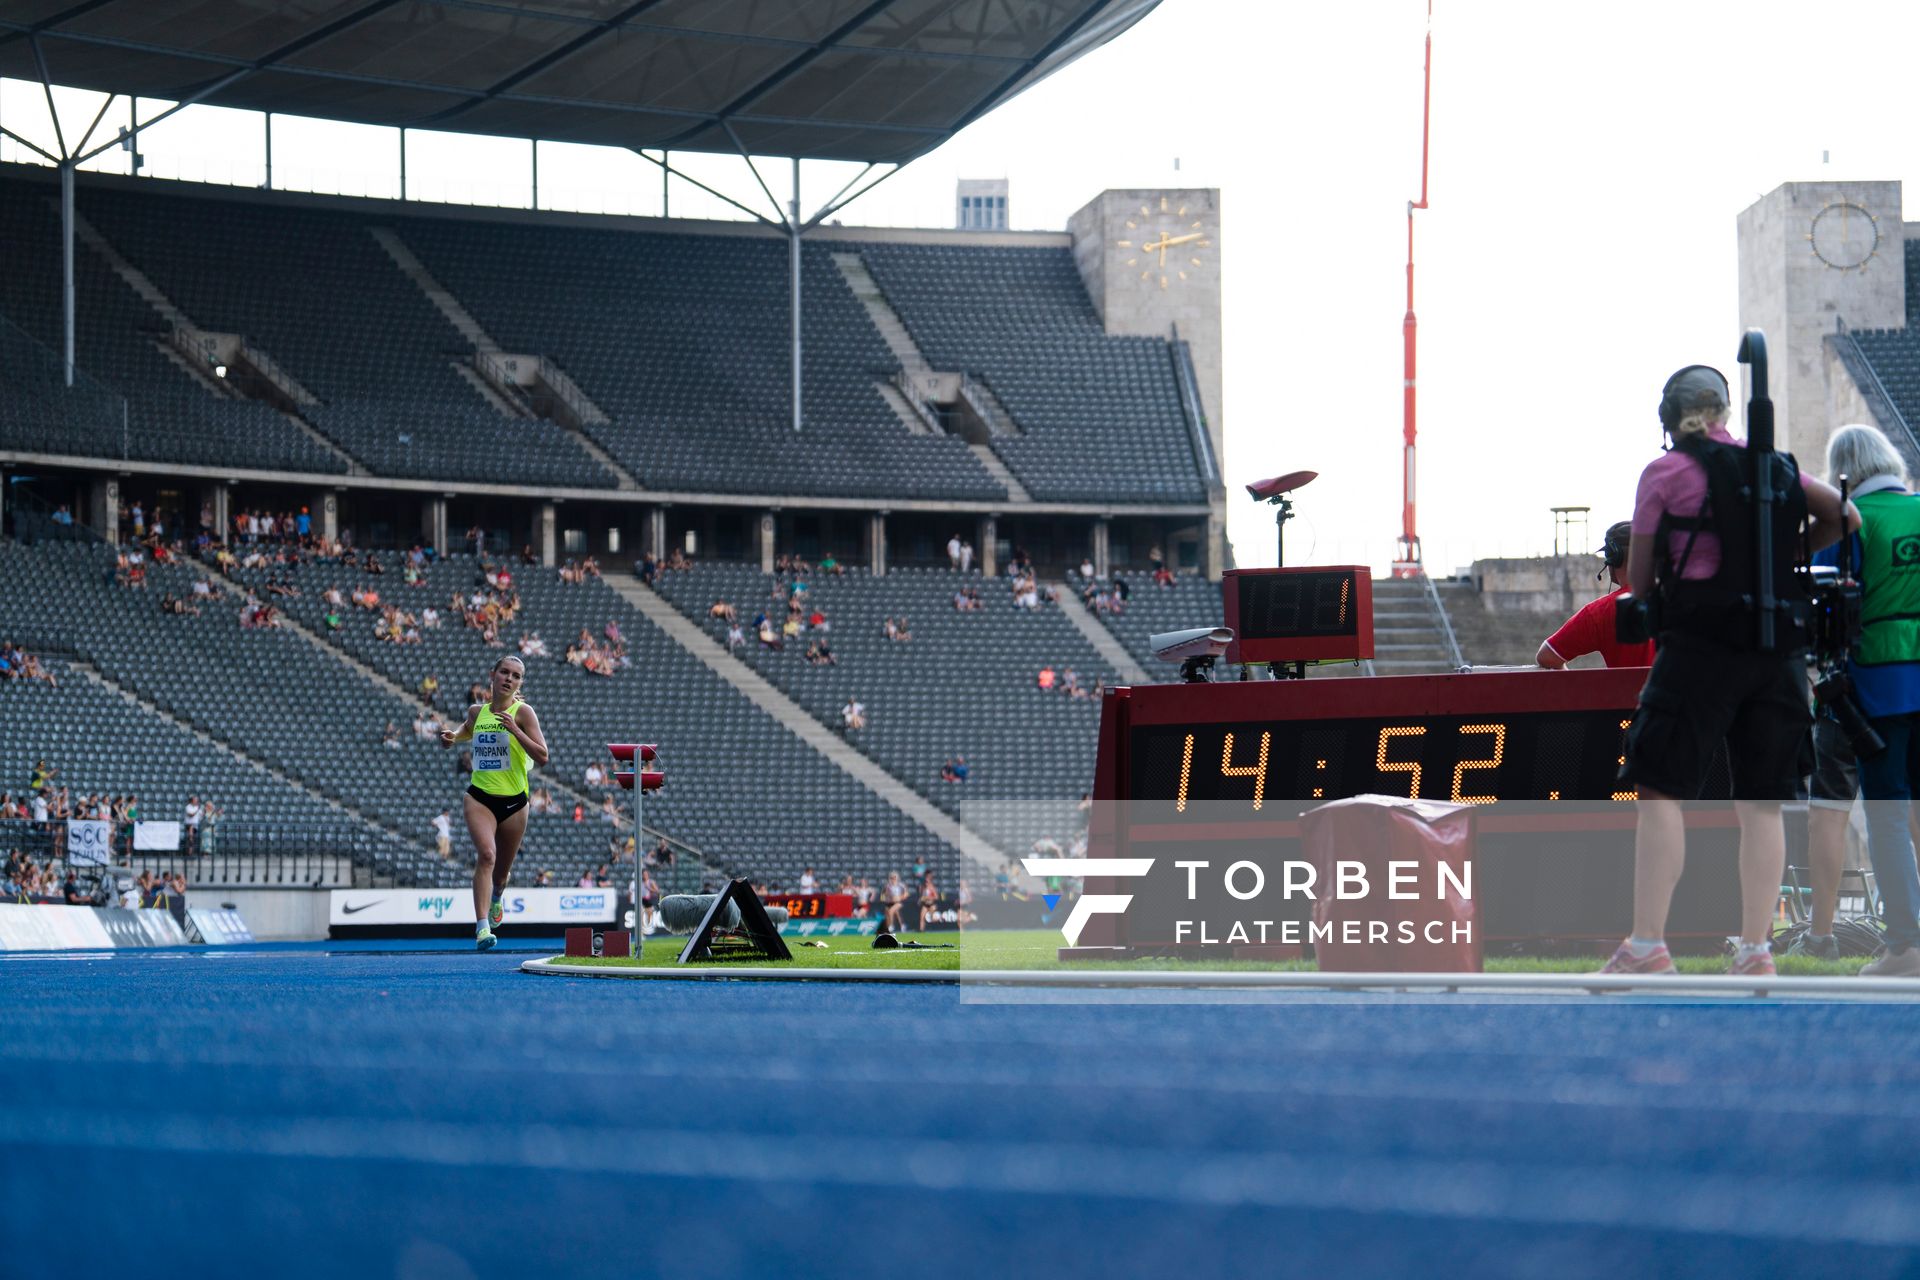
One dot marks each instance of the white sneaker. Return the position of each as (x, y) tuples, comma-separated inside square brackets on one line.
[(1894, 964)]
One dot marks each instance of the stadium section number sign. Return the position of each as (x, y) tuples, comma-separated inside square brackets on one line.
[(1299, 615)]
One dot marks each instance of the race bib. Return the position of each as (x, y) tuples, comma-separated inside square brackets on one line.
[(490, 750)]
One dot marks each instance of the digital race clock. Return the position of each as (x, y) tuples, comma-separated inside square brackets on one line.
[(813, 906), (1299, 615), (1224, 771), (1470, 739)]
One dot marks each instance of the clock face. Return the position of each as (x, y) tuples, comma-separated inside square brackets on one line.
[(1844, 236), (1164, 242)]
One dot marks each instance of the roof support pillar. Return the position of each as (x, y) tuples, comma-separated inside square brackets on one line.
[(877, 544), (66, 266), (767, 521), (793, 242), (269, 120), (989, 546)]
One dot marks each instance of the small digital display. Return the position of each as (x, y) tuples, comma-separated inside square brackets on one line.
[(813, 906), (1300, 615), (1322, 602)]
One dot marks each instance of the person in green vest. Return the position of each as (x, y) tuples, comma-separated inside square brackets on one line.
[(1885, 670), (506, 737)]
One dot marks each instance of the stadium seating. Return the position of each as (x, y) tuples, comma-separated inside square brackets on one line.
[(711, 737), (1894, 355), (100, 743), (964, 685), (317, 293), (683, 340), (1100, 416), (130, 401)]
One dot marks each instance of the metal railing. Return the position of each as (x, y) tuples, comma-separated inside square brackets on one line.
[(1879, 399), (1446, 624), (903, 383), (230, 851), (980, 398)]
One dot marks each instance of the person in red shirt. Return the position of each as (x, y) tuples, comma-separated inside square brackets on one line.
[(1591, 629)]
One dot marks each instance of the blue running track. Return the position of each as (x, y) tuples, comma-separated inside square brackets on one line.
[(315, 1113)]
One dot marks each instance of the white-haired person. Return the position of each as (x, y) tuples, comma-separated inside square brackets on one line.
[(1694, 557), (1884, 671)]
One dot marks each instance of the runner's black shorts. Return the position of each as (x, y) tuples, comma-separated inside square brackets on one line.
[(1701, 693), (1836, 771), (501, 807)]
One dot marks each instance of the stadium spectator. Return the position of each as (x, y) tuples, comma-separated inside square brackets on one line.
[(953, 552), (63, 515), (863, 899), (828, 564), (540, 803), (736, 638), (190, 824), (174, 898), (443, 833), (966, 556), (854, 715), (71, 892), (586, 880), (960, 770), (390, 736), (946, 771), (1046, 679), (647, 569), (596, 774), (929, 902), (808, 884)]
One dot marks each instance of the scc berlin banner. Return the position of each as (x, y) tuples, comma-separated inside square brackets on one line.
[(455, 906), (89, 842)]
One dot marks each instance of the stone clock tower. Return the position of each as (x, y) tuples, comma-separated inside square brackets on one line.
[(1812, 256), (1151, 263)]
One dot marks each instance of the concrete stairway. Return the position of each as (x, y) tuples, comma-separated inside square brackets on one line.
[(483, 343), (998, 470), (152, 294), (100, 678), (884, 318), (448, 305), (1409, 636), (1104, 642), (759, 691)]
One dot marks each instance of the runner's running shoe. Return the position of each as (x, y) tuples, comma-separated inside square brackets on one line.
[(1819, 948), (483, 940), (496, 913), (1624, 961)]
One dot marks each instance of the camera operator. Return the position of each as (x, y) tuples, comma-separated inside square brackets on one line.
[(1884, 671), (1593, 629), (1693, 546)]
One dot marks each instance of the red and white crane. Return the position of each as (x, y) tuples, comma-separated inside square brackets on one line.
[(1407, 562)]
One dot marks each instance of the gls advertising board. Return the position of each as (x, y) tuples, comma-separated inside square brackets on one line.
[(354, 907)]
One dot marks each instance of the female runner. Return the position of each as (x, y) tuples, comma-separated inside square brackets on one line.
[(506, 735)]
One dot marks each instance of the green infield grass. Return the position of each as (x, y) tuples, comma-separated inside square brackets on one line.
[(1036, 949)]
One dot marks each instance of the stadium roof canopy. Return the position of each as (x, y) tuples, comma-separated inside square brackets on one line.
[(881, 81)]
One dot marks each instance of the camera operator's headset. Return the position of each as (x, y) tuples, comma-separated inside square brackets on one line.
[(1687, 380)]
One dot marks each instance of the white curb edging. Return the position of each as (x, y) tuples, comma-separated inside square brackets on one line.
[(1891, 989)]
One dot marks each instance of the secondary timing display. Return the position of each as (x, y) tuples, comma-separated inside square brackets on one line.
[(1299, 615), (1473, 759)]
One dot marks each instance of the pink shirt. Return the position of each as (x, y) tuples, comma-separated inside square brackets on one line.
[(1676, 483)]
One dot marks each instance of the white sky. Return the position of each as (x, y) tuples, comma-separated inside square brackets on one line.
[(1588, 164)]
